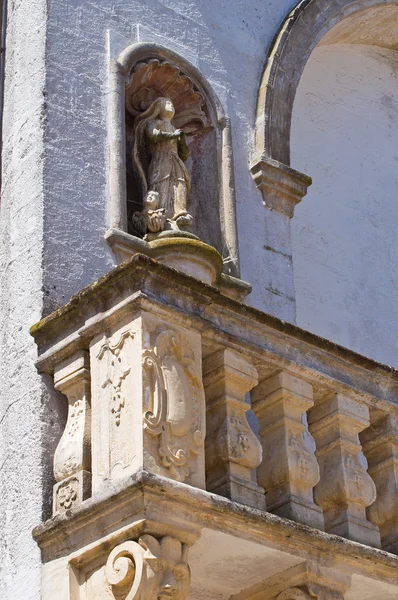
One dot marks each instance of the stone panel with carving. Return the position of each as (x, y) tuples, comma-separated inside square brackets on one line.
[(174, 397), (148, 402)]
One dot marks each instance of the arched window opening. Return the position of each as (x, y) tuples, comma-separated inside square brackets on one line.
[(344, 133)]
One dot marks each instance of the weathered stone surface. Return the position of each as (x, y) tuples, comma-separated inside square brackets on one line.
[(380, 446), (263, 544), (232, 449), (148, 407), (345, 488), (289, 470)]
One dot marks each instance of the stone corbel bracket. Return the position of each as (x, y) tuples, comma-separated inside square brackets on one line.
[(281, 186)]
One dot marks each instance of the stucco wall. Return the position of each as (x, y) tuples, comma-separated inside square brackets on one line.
[(345, 135), (25, 415)]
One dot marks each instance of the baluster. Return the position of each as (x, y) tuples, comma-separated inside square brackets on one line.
[(289, 470), (232, 449), (345, 488), (380, 446)]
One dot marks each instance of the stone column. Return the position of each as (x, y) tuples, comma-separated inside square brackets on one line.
[(232, 449), (345, 488), (72, 458), (148, 401), (380, 446), (289, 470)]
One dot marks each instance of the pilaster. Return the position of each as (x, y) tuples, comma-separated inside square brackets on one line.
[(148, 401), (72, 458)]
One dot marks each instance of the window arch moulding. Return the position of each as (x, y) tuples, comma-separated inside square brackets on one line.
[(213, 198), (283, 187)]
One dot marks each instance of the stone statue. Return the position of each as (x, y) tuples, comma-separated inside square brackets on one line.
[(159, 153)]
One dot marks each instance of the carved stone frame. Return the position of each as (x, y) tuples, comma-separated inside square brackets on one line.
[(119, 70)]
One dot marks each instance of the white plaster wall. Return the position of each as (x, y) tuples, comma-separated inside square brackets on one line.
[(29, 423), (21, 300), (345, 252)]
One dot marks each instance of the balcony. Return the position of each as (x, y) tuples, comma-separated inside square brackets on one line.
[(213, 451)]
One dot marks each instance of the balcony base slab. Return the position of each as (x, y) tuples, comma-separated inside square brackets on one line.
[(232, 547)]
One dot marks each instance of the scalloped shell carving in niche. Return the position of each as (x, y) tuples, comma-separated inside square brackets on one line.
[(156, 78)]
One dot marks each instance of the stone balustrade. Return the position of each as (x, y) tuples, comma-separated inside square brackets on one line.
[(127, 352), (166, 375)]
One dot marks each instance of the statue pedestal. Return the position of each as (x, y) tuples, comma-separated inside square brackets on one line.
[(184, 252), (189, 256)]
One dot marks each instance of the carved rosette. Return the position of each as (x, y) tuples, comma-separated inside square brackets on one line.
[(149, 569), (174, 402)]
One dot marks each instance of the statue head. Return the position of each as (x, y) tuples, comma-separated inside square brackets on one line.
[(162, 108), (167, 110)]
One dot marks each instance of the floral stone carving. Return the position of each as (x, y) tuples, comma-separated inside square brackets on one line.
[(174, 398), (117, 373), (148, 570)]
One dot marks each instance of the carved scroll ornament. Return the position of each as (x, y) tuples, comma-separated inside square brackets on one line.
[(175, 398), (148, 570)]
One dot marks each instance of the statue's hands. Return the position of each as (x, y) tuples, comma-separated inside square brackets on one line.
[(179, 133)]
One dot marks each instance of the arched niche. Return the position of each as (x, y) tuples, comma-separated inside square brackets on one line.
[(142, 72), (310, 21)]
